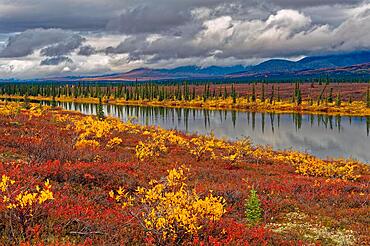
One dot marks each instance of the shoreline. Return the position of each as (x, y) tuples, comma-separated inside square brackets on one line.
[(355, 109)]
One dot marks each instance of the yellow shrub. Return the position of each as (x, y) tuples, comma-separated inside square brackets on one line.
[(238, 151), (83, 143), (9, 109), (153, 147), (22, 205), (114, 142), (205, 145), (309, 165), (168, 210)]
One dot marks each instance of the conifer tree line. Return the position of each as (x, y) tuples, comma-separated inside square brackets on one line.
[(182, 92), (146, 91)]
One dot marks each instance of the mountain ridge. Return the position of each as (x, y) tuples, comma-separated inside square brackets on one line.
[(335, 64), (349, 64)]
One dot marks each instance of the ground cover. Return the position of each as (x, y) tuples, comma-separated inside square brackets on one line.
[(72, 179)]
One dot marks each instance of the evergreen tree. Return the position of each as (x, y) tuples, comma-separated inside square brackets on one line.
[(205, 93), (330, 98), (368, 97), (299, 97), (226, 95), (293, 97), (253, 211), (233, 93), (253, 93), (53, 102), (272, 94), (263, 93), (338, 101), (99, 110), (26, 102)]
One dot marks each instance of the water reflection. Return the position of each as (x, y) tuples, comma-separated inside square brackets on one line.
[(320, 135)]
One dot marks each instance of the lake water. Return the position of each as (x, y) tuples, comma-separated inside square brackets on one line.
[(323, 136)]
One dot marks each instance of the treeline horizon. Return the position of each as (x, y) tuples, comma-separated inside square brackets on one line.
[(264, 91)]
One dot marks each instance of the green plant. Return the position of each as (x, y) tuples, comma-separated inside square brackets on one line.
[(338, 100), (299, 97), (330, 98), (233, 93), (99, 110), (54, 102), (253, 98), (26, 103), (253, 210)]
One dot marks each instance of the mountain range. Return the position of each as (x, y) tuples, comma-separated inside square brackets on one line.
[(353, 64)]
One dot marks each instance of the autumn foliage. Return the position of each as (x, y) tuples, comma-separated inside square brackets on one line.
[(70, 179)]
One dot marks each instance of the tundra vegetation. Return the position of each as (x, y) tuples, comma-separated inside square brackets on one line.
[(72, 179), (328, 98)]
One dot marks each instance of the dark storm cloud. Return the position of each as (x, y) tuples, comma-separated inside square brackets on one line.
[(148, 19), (53, 61), (20, 15), (63, 48), (164, 48), (129, 16), (166, 16), (27, 42), (86, 50)]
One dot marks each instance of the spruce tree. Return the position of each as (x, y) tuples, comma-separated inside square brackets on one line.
[(338, 100), (299, 97), (26, 103), (263, 93), (225, 93), (233, 93), (253, 93), (272, 94), (330, 98), (253, 211), (53, 102), (99, 110)]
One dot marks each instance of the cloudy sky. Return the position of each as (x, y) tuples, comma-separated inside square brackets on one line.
[(41, 38)]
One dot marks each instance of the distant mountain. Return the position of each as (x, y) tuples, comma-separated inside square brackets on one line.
[(185, 72), (212, 70), (346, 64), (274, 65), (359, 70), (313, 62)]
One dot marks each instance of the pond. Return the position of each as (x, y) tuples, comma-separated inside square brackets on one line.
[(320, 135)]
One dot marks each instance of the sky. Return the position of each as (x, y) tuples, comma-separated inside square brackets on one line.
[(41, 38)]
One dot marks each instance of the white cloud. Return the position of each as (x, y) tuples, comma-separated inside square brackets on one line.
[(209, 32)]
